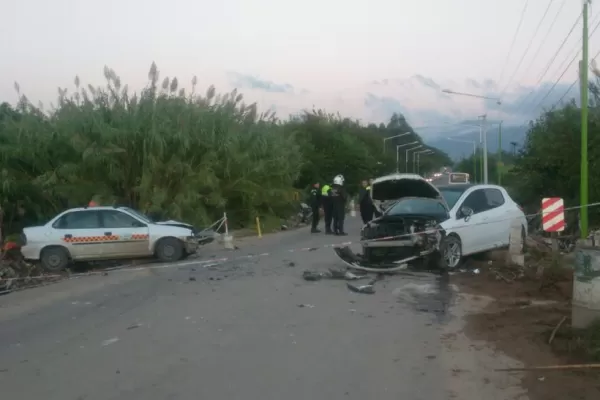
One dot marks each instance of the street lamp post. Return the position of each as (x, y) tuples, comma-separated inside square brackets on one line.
[(393, 137), (483, 126), (406, 160), (398, 153), (499, 161), (583, 183), (485, 153), (418, 154)]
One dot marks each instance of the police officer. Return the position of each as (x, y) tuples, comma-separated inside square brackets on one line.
[(338, 199), (327, 207), (365, 202), (315, 205)]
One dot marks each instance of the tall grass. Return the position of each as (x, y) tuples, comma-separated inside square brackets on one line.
[(184, 156)]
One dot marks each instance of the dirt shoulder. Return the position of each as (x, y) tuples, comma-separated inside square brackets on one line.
[(524, 310)]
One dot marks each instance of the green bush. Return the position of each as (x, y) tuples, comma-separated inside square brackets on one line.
[(173, 154)]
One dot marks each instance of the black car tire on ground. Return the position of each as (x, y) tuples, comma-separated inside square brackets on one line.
[(451, 243), (54, 258), (169, 249)]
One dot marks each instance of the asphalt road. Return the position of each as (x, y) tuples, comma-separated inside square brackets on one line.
[(247, 329)]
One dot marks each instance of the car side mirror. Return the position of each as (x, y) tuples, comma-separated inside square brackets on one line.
[(466, 213)]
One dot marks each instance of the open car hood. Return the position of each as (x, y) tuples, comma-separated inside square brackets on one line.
[(396, 186)]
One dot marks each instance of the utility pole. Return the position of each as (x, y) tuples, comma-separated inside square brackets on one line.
[(499, 163), (583, 185), (485, 150)]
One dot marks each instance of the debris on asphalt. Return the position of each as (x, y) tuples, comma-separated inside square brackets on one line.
[(365, 289), (312, 276), (110, 341), (291, 264), (306, 306), (336, 274), (133, 326), (192, 278), (352, 277)]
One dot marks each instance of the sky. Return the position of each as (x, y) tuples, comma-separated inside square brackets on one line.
[(321, 46)]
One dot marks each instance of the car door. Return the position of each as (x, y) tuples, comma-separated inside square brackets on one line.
[(498, 219), (472, 231), (127, 236), (79, 231)]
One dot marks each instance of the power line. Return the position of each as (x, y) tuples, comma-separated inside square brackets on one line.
[(513, 41), (545, 37), (577, 47), (572, 85), (563, 73), (528, 47), (551, 61)]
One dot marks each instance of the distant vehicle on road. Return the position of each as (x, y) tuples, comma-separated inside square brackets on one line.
[(458, 177), (105, 233)]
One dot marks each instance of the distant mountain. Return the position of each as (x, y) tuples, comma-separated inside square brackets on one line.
[(419, 99), (457, 147)]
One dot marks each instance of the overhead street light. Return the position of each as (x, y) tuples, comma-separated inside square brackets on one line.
[(482, 127), (398, 153), (406, 159), (496, 99), (417, 165), (393, 137)]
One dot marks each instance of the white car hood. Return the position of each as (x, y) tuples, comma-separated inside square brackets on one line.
[(397, 186)]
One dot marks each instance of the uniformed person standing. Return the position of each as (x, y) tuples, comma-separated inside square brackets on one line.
[(338, 199), (327, 207), (365, 203), (315, 205)]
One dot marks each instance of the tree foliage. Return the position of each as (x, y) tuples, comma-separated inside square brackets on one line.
[(548, 165), (178, 155)]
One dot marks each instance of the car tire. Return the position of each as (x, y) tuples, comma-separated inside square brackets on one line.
[(451, 251), (54, 259), (170, 249)]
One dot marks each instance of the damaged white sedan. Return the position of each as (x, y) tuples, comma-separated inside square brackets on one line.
[(434, 226), (409, 228), (107, 233)]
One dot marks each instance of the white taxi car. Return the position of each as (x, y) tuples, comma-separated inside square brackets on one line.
[(101, 233)]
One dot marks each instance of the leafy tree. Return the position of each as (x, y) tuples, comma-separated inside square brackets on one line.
[(548, 165), (179, 155)]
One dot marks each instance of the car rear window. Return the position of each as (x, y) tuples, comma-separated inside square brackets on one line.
[(451, 195)]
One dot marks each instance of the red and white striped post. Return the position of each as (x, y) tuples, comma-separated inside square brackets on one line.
[(553, 214)]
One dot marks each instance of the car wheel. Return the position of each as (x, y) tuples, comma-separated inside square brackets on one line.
[(451, 252), (54, 258), (169, 249)]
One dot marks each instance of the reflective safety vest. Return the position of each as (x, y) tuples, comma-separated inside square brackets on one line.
[(325, 189)]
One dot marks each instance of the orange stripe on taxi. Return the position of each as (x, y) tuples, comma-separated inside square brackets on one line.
[(90, 239)]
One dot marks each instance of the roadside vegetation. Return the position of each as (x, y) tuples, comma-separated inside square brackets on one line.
[(548, 164), (173, 154)]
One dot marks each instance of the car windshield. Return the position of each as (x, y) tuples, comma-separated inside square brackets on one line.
[(138, 214), (419, 206), (451, 195)]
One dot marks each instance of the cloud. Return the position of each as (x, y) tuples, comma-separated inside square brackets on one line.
[(251, 82), (418, 98)]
